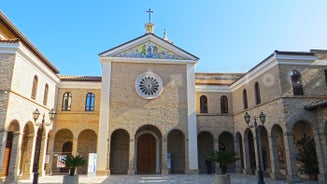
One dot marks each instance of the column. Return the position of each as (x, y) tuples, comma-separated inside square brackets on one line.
[(103, 133), (28, 168), (192, 128), (322, 176), (238, 164), (164, 169), (246, 156), (274, 158), (43, 153), (216, 148), (132, 153), (3, 137), (290, 154), (14, 158), (74, 149)]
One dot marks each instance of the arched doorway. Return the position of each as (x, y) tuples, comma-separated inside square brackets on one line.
[(26, 151), (250, 151), (279, 150), (226, 142), (63, 145), (205, 148), (87, 143), (176, 147), (148, 150), (119, 152)]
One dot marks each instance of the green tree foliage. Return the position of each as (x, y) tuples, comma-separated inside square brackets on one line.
[(223, 157), (73, 162), (307, 155)]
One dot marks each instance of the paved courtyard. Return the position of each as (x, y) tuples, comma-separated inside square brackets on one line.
[(156, 179)]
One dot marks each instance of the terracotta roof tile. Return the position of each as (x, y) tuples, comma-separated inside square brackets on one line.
[(81, 78), (16, 40), (316, 105)]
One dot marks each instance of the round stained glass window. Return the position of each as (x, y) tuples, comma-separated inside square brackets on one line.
[(148, 85)]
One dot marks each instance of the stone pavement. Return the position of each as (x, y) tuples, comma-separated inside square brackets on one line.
[(156, 179)]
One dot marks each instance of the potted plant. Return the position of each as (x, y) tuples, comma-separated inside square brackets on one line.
[(72, 163), (223, 157), (307, 156)]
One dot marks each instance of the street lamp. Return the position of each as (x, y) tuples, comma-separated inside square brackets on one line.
[(262, 118), (36, 115)]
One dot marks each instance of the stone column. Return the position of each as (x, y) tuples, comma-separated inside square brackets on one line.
[(28, 168), (246, 156), (14, 159), (74, 149), (275, 167), (187, 164), (3, 137), (42, 154), (216, 148), (51, 148), (164, 169), (103, 132), (290, 154), (322, 176), (238, 164), (132, 153), (192, 128)]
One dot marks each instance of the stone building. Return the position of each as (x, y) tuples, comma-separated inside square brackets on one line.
[(151, 113)]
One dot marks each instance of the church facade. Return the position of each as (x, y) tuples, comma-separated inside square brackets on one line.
[(151, 113)]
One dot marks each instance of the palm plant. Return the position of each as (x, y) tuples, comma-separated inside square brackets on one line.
[(223, 157), (73, 162)]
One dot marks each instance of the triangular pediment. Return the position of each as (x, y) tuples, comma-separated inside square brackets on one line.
[(149, 47)]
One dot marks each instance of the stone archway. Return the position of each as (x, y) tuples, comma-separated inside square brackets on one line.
[(10, 160), (63, 145), (119, 152), (148, 154), (303, 129), (25, 166), (176, 147), (87, 143), (266, 165), (205, 148), (278, 150), (250, 156), (226, 142)]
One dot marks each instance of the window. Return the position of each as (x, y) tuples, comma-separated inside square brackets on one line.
[(89, 102), (45, 97), (257, 93), (224, 104), (34, 87), (245, 99), (296, 82), (66, 101), (203, 104)]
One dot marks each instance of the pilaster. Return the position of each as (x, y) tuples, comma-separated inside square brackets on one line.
[(290, 152)]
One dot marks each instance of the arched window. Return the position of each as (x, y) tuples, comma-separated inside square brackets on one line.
[(89, 102), (46, 92), (296, 82), (245, 99), (34, 87), (66, 101), (257, 93), (224, 104), (203, 104)]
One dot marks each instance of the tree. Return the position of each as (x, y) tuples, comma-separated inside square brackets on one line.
[(223, 157), (73, 162)]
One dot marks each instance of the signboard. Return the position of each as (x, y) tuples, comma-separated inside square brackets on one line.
[(59, 161), (92, 165)]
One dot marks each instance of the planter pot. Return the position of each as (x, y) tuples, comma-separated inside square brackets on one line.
[(71, 179), (223, 179), (313, 177)]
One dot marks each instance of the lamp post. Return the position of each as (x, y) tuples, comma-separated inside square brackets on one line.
[(36, 115), (262, 118)]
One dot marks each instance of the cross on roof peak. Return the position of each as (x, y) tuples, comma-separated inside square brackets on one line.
[(149, 12)]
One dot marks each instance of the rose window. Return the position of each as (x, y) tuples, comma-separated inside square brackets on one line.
[(148, 85)]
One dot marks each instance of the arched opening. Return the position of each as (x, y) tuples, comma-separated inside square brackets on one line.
[(205, 148), (119, 152), (226, 142), (250, 151), (305, 144), (9, 167), (63, 145), (176, 149), (148, 150), (25, 165), (279, 150), (87, 143)]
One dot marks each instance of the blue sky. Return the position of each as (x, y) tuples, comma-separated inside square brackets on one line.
[(227, 36)]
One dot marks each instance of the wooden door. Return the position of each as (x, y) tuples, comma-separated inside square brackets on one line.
[(6, 158), (146, 154)]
